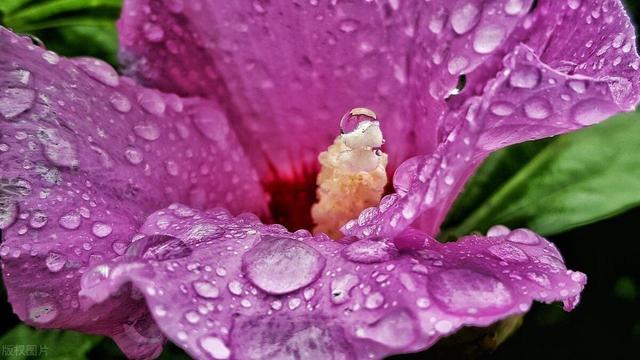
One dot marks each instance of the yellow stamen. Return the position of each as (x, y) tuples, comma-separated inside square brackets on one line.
[(352, 176)]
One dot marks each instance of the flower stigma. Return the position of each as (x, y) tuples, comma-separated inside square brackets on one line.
[(352, 172)]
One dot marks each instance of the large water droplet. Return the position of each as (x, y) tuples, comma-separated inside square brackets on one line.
[(464, 17), (120, 102), (592, 111), (206, 289), (159, 247), (282, 265), (8, 212), (15, 101), (507, 252), (457, 290), (70, 220), (152, 102), (525, 77), (98, 70), (524, 236), (57, 149), (55, 262), (341, 286), (488, 38), (148, 131), (101, 230), (513, 7), (370, 251), (42, 308), (51, 57), (38, 219), (215, 347), (133, 155), (395, 330), (537, 108), (374, 301)]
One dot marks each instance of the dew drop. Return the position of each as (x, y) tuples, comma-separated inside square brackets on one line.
[(502, 108), (152, 102), (513, 7), (98, 70), (348, 26), (508, 252), (269, 265), (488, 38), (120, 102), (537, 108), (101, 230), (235, 287), (457, 65), (592, 111), (340, 288), (374, 301), (148, 131), (465, 17), (70, 220), (51, 57), (15, 101), (133, 155), (38, 219), (523, 236), (525, 78), (206, 289), (395, 330), (55, 262), (42, 308), (215, 347)]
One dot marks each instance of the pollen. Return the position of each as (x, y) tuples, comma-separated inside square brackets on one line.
[(352, 175)]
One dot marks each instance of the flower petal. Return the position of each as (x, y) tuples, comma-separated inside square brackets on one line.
[(567, 84), (223, 287), (82, 163), (288, 70)]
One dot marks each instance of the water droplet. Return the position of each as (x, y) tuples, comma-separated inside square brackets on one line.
[(488, 38), (172, 168), (513, 7), (160, 310), (498, 230), (340, 288), (592, 111), (192, 317), (502, 108), (215, 347), (464, 17), (437, 22), (308, 293), (120, 102), (294, 303), (395, 330), (101, 230), (55, 262), (70, 220), (58, 150), (348, 25), (537, 108), (152, 102), (133, 155), (523, 236), (525, 77), (457, 290), (423, 303), (42, 308), (507, 252), (374, 301), (574, 4), (148, 131), (153, 32), (98, 70), (15, 101), (235, 287), (51, 57), (206, 289), (370, 251), (270, 265), (38, 219), (457, 65), (443, 326), (8, 212)]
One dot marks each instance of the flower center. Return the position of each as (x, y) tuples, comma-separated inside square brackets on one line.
[(352, 175)]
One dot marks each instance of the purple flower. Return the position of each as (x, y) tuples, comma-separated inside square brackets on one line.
[(94, 167)]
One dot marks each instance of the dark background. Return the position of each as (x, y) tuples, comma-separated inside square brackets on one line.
[(605, 325)]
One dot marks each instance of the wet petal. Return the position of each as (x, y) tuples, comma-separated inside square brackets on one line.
[(545, 90), (289, 70), (85, 156), (345, 301)]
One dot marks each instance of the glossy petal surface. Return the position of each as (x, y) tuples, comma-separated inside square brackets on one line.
[(85, 157), (359, 305)]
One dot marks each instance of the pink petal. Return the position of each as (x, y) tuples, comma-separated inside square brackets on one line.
[(82, 164), (251, 291), (288, 70), (560, 85)]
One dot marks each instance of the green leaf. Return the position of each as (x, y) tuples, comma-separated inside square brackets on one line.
[(37, 11), (9, 6), (572, 181), (24, 342)]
